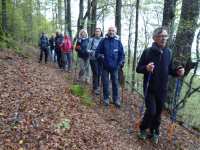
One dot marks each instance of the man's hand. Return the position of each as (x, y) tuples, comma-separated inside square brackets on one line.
[(150, 67), (180, 71)]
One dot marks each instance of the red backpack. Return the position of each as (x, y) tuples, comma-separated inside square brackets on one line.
[(67, 45)]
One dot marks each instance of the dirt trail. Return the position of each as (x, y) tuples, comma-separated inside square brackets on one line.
[(35, 99)]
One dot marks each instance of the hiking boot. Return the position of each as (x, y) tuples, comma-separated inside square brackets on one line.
[(142, 135), (155, 138), (97, 91), (117, 104), (106, 102)]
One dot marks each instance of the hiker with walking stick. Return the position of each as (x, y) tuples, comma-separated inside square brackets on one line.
[(155, 63)]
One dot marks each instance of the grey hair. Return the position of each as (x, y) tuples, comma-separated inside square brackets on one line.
[(158, 30), (81, 31)]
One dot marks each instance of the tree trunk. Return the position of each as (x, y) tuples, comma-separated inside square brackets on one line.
[(66, 21), (4, 16), (80, 17), (130, 36), (135, 46), (93, 17), (69, 25), (89, 21), (118, 16), (186, 32), (184, 38), (169, 18), (60, 14)]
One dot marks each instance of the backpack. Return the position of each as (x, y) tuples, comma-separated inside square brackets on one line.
[(83, 50), (67, 44), (43, 42)]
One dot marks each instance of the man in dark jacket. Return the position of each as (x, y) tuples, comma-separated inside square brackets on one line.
[(110, 51), (43, 43), (156, 61), (52, 47), (58, 41)]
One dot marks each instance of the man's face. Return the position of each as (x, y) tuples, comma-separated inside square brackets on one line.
[(111, 31), (97, 32), (161, 39)]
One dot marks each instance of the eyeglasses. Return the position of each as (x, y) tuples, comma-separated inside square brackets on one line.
[(111, 30), (163, 36)]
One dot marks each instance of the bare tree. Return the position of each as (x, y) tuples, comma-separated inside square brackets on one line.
[(60, 14), (4, 16), (135, 46), (169, 18), (118, 16), (93, 16)]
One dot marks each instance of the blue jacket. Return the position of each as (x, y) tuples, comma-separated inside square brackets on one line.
[(44, 42), (82, 43), (111, 53), (162, 59)]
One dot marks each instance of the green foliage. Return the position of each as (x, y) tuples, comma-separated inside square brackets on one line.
[(191, 112), (81, 92), (25, 21)]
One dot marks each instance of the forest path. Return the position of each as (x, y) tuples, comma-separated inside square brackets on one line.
[(38, 111)]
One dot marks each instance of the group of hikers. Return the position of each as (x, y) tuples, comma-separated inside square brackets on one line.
[(105, 56)]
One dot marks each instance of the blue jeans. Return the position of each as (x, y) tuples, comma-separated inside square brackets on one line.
[(67, 60), (115, 86)]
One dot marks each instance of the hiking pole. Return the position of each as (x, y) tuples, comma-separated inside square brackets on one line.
[(122, 82), (174, 110), (138, 122), (76, 65), (101, 85)]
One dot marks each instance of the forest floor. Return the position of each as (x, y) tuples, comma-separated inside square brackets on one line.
[(38, 112)]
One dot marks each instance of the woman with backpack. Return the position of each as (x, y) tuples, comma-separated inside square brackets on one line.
[(95, 65), (83, 56), (66, 50)]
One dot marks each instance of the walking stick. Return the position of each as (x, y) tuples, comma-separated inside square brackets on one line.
[(101, 85), (122, 82), (138, 122), (76, 65), (172, 126)]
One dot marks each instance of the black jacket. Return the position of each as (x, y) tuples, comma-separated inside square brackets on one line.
[(162, 59)]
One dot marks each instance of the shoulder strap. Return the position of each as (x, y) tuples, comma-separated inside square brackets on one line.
[(92, 44), (147, 50)]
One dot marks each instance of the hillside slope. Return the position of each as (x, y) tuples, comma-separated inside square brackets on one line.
[(38, 111)]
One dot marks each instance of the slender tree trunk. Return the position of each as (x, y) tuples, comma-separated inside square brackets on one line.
[(89, 21), (169, 18), (103, 21), (80, 17), (93, 17), (4, 16), (118, 16), (66, 21), (60, 14), (69, 24), (135, 46), (53, 14), (130, 36)]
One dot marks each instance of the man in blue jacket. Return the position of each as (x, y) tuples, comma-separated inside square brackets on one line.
[(43, 43), (111, 54), (156, 63)]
